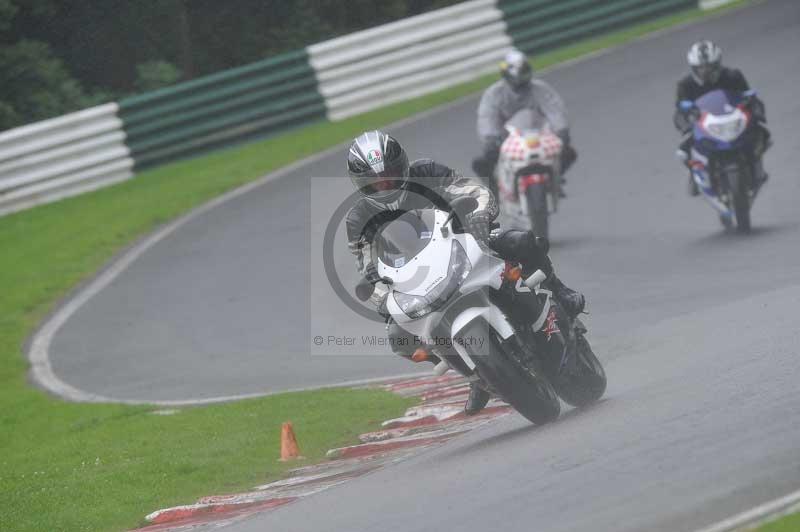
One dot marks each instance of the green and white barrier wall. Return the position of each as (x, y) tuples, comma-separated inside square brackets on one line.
[(332, 80), (229, 106), (62, 157)]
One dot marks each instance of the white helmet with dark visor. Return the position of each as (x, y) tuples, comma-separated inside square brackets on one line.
[(705, 60)]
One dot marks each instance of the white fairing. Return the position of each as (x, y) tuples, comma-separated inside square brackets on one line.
[(727, 127), (420, 275), (492, 315)]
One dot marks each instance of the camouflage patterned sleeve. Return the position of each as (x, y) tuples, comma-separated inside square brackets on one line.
[(360, 247), (551, 106), (459, 185), (491, 121)]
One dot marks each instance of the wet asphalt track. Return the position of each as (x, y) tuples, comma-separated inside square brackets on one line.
[(698, 328)]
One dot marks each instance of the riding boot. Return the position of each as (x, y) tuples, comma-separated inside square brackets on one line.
[(478, 397)]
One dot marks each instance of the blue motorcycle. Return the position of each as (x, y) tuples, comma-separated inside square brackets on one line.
[(723, 153)]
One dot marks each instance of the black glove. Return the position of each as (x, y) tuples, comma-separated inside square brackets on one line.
[(758, 109), (481, 167), (479, 223), (684, 120), (484, 165)]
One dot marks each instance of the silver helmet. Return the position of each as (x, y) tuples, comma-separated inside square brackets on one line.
[(516, 70), (378, 167)]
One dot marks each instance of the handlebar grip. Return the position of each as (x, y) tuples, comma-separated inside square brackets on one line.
[(536, 279)]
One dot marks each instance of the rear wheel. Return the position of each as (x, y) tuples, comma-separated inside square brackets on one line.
[(529, 393), (536, 195)]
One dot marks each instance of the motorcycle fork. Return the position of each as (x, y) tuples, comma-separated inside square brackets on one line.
[(557, 342), (523, 309), (554, 190), (743, 166), (449, 354)]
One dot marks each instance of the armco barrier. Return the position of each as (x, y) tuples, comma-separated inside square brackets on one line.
[(537, 25), (409, 58), (62, 157), (223, 108)]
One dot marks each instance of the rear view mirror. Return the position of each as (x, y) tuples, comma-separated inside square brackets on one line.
[(364, 290), (461, 207)]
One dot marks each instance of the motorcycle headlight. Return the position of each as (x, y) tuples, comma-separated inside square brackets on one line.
[(418, 306), (729, 131)]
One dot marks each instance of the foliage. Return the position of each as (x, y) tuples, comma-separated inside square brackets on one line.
[(35, 84), (62, 50), (790, 523), (152, 75)]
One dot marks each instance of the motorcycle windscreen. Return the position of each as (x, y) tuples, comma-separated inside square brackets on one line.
[(405, 237), (526, 119), (718, 102)]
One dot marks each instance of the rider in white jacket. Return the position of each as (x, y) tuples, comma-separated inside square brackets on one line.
[(516, 91)]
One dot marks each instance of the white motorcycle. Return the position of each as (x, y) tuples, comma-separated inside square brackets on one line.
[(528, 176), (476, 312)]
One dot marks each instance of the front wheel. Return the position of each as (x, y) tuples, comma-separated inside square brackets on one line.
[(586, 382), (529, 393), (740, 190), (536, 196)]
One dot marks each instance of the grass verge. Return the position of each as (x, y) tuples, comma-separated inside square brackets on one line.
[(102, 467), (790, 523)]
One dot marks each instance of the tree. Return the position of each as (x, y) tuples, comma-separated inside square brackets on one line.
[(152, 75), (35, 85), (54, 54)]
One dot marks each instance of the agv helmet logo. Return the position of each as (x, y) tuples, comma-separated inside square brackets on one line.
[(374, 157)]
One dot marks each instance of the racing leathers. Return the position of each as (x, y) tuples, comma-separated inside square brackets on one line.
[(501, 102), (730, 79), (433, 184)]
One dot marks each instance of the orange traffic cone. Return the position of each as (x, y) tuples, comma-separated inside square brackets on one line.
[(289, 449)]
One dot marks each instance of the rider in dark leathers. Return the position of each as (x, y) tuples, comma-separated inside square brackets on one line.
[(708, 74), (390, 185)]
